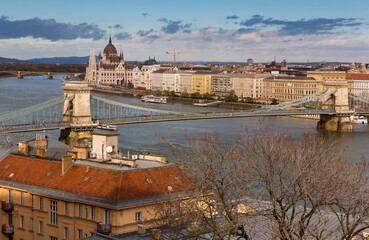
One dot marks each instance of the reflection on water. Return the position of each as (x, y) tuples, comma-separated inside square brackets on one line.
[(16, 94)]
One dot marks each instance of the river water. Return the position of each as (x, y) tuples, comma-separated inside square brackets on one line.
[(16, 94)]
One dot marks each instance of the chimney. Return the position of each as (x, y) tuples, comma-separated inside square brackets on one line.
[(73, 154), (23, 148), (40, 152), (66, 163)]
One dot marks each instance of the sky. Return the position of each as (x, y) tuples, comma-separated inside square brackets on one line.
[(203, 30)]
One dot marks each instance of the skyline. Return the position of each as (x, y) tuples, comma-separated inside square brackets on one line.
[(215, 30)]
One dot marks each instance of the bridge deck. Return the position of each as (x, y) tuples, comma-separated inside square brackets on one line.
[(165, 118)]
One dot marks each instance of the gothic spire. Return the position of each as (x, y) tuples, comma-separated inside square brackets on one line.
[(110, 39)]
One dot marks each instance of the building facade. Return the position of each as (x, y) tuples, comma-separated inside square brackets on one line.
[(221, 84), (248, 85), (288, 88), (201, 81), (43, 199), (109, 69)]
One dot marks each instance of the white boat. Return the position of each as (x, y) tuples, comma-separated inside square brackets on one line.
[(358, 119), (154, 99)]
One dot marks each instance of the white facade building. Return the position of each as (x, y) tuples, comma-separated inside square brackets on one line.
[(110, 68)]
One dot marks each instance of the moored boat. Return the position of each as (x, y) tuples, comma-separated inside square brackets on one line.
[(154, 99), (358, 119)]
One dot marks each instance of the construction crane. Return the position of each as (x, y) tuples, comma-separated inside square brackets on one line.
[(175, 54)]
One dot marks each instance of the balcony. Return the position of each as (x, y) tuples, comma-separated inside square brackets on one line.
[(104, 228), (7, 206), (7, 229)]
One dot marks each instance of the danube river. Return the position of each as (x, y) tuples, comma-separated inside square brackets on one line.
[(16, 94)]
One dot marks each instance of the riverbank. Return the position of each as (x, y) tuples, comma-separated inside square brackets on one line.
[(139, 93)]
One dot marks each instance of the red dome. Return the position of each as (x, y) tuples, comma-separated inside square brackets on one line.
[(110, 49)]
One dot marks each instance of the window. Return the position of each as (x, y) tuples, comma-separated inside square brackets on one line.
[(86, 213), (21, 221), (65, 208), (80, 234), (79, 210), (41, 229), (92, 212), (31, 200), (53, 212), (138, 216), (21, 198), (41, 206), (10, 196), (106, 216), (53, 238), (32, 224), (65, 233)]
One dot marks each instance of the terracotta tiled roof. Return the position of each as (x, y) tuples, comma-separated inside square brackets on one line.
[(92, 182), (357, 76)]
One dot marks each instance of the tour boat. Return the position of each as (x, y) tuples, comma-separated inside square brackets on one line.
[(358, 119), (154, 99)]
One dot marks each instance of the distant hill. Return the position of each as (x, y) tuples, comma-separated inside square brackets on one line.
[(84, 60)]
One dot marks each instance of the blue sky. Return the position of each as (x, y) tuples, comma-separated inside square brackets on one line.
[(214, 30)]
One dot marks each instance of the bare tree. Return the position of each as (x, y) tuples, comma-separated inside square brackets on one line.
[(267, 185)]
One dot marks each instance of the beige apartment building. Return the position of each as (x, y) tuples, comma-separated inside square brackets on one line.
[(288, 88), (50, 199), (247, 85)]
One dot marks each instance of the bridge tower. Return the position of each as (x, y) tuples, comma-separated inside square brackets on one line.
[(20, 76), (339, 102), (77, 112)]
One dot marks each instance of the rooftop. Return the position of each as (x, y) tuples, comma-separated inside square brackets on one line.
[(90, 180)]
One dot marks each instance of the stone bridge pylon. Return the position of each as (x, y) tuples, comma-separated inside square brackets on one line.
[(339, 102), (77, 112)]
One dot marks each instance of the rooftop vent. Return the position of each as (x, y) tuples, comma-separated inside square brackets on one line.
[(170, 188), (48, 174), (7, 166), (11, 175), (86, 178), (148, 180)]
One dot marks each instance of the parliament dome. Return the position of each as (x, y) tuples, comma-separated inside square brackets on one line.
[(110, 49)]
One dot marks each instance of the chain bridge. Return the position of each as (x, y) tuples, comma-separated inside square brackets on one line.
[(79, 111)]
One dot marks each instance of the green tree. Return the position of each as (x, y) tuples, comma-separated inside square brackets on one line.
[(130, 85), (185, 94), (157, 92), (196, 95), (232, 97)]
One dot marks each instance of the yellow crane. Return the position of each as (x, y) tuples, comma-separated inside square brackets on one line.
[(175, 54)]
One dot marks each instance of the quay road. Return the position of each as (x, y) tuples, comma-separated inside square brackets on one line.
[(165, 118)]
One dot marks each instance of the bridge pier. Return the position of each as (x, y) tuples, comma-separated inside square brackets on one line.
[(20, 76), (339, 102), (335, 123), (49, 76)]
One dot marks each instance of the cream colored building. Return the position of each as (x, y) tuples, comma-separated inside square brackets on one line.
[(288, 88), (221, 84), (248, 85), (69, 199)]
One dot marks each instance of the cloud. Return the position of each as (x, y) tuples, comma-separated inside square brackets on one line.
[(122, 35), (145, 14), (245, 30), (174, 26), (143, 33), (118, 26), (232, 17), (303, 26), (48, 29)]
